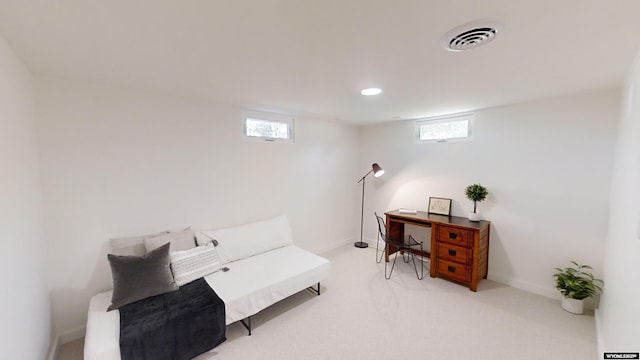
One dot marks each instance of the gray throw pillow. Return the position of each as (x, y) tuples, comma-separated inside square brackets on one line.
[(139, 277)]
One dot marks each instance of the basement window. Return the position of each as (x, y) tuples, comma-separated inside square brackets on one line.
[(268, 127), (441, 129)]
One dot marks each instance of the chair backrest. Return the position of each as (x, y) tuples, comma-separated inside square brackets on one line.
[(382, 228)]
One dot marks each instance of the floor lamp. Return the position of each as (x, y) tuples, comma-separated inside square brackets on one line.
[(377, 172)]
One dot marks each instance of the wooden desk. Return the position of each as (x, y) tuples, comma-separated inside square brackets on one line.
[(459, 247)]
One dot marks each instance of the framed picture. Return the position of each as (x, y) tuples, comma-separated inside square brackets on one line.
[(439, 206)]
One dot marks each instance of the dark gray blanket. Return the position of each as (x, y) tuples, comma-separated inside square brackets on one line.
[(173, 326)]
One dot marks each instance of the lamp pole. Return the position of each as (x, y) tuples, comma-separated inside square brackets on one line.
[(377, 171)]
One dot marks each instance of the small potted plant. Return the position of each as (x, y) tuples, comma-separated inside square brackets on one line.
[(476, 193), (575, 284)]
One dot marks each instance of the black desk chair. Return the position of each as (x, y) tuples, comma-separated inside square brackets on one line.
[(402, 245)]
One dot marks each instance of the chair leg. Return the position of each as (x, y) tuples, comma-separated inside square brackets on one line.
[(392, 266), (411, 256), (415, 266), (405, 258), (378, 259)]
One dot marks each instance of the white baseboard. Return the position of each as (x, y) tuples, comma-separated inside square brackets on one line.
[(503, 279), (336, 244), (600, 346), (53, 348), (332, 246), (524, 285), (72, 335), (372, 243), (506, 280), (63, 338), (551, 293)]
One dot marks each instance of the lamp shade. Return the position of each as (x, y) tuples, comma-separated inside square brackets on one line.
[(377, 170)]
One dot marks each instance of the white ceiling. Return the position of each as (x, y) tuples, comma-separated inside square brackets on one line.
[(312, 57)]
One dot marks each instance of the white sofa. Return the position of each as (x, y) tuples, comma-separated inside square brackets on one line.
[(264, 268)]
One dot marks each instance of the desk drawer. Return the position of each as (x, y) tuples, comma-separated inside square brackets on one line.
[(455, 253), (454, 270), (455, 236)]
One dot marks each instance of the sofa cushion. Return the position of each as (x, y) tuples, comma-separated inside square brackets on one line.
[(243, 241), (254, 283)]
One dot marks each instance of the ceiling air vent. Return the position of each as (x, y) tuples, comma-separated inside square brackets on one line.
[(470, 35)]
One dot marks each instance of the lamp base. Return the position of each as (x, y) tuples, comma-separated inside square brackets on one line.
[(361, 244)]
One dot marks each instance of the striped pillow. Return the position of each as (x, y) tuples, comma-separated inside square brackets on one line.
[(192, 264)]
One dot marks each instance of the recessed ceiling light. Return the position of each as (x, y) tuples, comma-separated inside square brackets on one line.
[(371, 91)]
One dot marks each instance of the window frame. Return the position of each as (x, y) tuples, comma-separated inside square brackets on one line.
[(268, 117), (469, 117)]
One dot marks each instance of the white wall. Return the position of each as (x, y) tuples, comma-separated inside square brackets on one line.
[(25, 312), (119, 163), (619, 313), (547, 167)]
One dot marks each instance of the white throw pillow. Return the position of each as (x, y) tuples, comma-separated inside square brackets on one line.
[(243, 241), (189, 265)]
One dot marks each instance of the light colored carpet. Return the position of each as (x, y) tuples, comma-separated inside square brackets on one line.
[(360, 315)]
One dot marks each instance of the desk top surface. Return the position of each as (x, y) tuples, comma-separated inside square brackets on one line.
[(423, 216)]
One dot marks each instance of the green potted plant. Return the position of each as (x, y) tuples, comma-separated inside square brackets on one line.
[(476, 193), (575, 284)]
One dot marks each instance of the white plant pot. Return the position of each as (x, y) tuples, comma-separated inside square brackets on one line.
[(573, 306), (474, 216)]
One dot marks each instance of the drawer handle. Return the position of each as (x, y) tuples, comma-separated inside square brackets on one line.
[(451, 268), (452, 252), (453, 235)]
